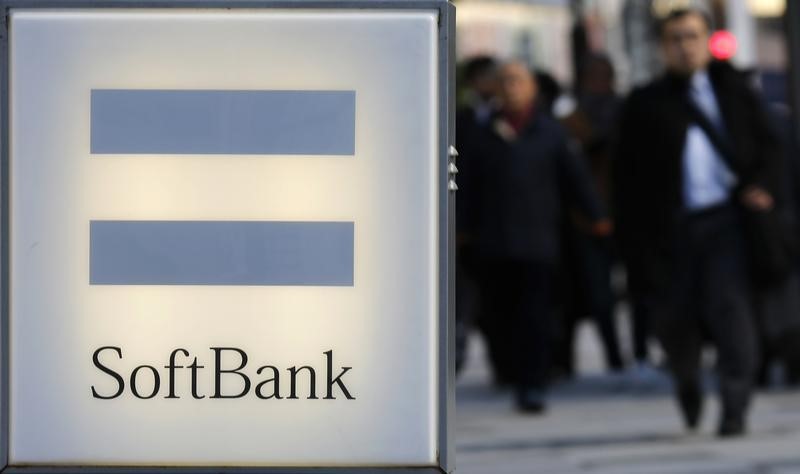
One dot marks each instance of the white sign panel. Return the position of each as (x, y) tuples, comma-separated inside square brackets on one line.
[(224, 237)]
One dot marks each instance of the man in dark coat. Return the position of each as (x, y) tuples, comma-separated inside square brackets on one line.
[(678, 202), (526, 167)]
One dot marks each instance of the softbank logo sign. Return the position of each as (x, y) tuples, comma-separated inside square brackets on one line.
[(220, 252)]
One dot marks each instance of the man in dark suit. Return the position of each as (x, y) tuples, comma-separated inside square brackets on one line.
[(678, 201), (525, 167)]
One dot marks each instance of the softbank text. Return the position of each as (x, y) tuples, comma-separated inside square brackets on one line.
[(145, 381)]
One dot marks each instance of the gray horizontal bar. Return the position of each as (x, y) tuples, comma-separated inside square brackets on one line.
[(223, 122), (221, 253), (220, 470)]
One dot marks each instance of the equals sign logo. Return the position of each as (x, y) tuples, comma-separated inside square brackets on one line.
[(209, 122)]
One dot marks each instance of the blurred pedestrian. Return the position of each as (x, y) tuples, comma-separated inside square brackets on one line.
[(778, 304), (696, 157), (589, 258), (526, 166), (480, 77), (788, 333)]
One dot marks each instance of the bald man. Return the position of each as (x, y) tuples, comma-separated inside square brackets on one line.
[(526, 168)]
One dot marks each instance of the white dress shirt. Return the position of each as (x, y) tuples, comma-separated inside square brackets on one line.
[(707, 178)]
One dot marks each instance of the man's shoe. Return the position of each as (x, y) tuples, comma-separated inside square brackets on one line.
[(732, 427), (531, 401), (691, 403)]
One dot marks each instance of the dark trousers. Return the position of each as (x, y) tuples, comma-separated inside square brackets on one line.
[(468, 302), (589, 292), (709, 293), (516, 320), (640, 330)]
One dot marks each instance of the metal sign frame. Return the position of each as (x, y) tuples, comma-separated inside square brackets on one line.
[(446, 227)]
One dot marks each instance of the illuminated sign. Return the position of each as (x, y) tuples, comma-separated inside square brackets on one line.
[(227, 236)]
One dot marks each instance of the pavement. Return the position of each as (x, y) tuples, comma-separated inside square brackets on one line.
[(613, 424)]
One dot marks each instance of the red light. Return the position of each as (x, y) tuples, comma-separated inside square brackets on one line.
[(723, 45)]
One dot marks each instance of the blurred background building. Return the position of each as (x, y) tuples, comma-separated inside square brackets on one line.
[(550, 35)]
